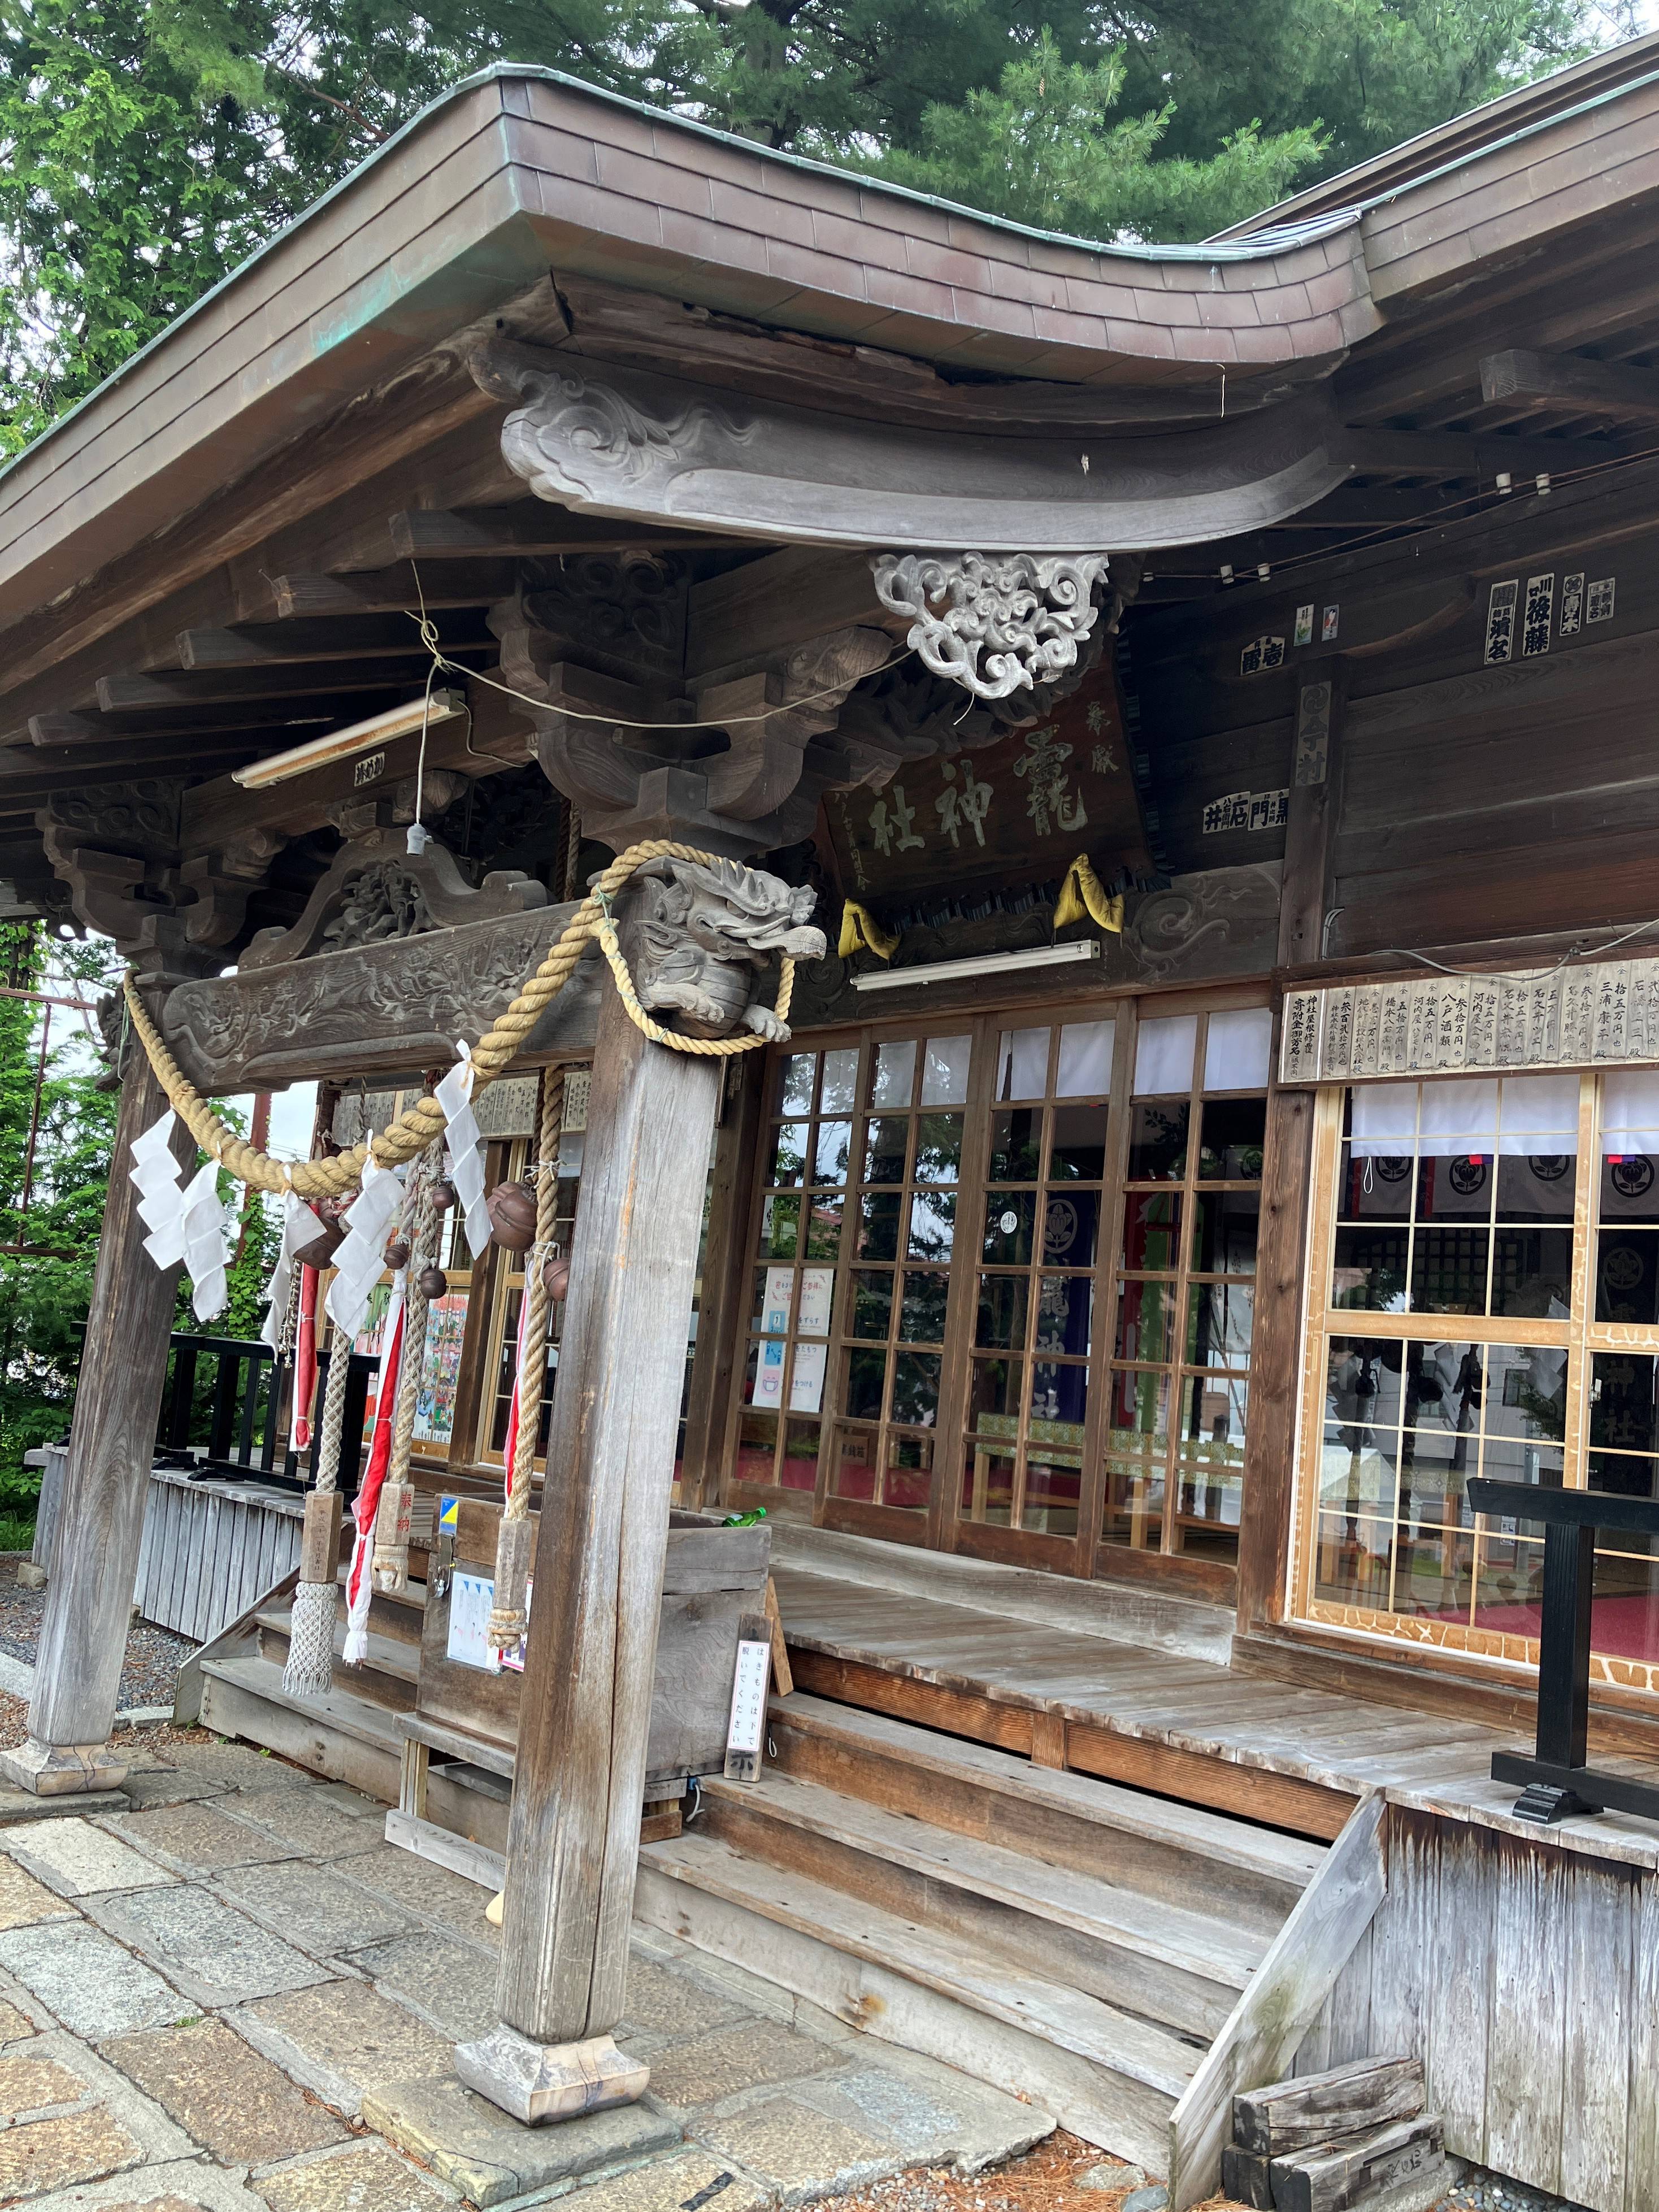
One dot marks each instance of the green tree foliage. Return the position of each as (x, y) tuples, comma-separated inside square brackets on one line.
[(46, 1288), (146, 145)]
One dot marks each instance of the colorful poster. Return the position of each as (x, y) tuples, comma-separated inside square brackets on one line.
[(780, 1297), (807, 1388), (769, 1375), (816, 1288), (440, 1368)]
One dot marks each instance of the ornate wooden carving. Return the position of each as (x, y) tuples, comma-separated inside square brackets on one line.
[(702, 935), (392, 1008), (995, 625), (377, 891), (659, 449)]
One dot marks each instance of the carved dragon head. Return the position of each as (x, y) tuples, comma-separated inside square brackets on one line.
[(704, 932)]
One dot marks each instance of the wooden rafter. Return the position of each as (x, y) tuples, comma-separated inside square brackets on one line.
[(1567, 381)]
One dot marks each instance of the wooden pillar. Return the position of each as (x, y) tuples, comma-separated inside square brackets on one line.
[(585, 1708), (117, 1400)]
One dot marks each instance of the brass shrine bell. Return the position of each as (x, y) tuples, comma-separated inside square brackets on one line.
[(513, 1216)]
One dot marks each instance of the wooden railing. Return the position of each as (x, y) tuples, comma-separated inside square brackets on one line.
[(227, 1405)]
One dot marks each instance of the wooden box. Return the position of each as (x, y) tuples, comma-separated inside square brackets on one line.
[(712, 1575)]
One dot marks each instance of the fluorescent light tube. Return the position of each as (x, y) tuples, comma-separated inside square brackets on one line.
[(984, 963), (376, 729)]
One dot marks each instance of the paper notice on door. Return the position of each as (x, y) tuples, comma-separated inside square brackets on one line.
[(816, 1288), (806, 1387), (780, 1294), (769, 1375), (471, 1597)]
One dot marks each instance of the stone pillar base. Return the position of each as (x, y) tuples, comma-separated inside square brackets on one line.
[(539, 2082), (62, 1770)]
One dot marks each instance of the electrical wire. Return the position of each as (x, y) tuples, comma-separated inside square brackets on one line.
[(1512, 975)]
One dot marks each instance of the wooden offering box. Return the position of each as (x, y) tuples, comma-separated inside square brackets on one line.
[(462, 1736)]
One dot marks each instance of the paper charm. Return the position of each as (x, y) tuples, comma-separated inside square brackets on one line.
[(161, 1201), (202, 1222), (300, 1225), (466, 1149), (360, 1259)]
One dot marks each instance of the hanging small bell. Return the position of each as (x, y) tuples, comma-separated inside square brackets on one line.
[(513, 1216), (556, 1277), (433, 1284), (397, 1254), (319, 1253), (443, 1194)]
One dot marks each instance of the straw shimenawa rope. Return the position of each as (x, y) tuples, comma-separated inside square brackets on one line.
[(509, 1613), (423, 1122)]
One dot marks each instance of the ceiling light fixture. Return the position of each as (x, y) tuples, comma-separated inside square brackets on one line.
[(339, 745), (985, 963)]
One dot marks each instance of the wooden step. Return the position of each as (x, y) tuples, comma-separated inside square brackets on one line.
[(387, 1677), (1180, 1855), (1160, 1962), (340, 1734), (1111, 2078)]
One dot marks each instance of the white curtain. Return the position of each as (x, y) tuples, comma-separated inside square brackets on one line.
[(1236, 1048), (1523, 1115), (1630, 1112), (1164, 1056), (1085, 1060)]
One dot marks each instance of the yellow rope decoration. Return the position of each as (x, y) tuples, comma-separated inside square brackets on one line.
[(861, 932), (423, 1124), (1084, 894)]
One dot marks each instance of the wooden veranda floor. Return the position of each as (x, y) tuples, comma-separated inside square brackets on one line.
[(1294, 1758)]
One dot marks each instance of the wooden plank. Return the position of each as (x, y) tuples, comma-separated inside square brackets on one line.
[(957, 1712), (783, 1680), (472, 1861), (1568, 382), (1524, 2115), (1298, 2113), (1597, 2023), (1642, 2158), (1281, 2003), (1314, 808), (1350, 2002), (1282, 1799), (1458, 2015), (1401, 2168)]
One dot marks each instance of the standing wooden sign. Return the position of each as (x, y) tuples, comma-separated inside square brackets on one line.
[(746, 1731)]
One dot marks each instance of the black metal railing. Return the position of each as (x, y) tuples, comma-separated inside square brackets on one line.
[(226, 1413), (1556, 1778)]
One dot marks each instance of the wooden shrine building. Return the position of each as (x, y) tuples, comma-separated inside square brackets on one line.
[(1202, 694)]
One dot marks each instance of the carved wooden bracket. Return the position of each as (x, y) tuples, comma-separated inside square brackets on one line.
[(698, 937), (996, 624), (376, 891)]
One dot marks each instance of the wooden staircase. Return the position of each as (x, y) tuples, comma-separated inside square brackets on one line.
[(1079, 1943)]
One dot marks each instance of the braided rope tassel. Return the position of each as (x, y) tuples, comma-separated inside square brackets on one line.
[(390, 1567), (509, 1613), (309, 1668)]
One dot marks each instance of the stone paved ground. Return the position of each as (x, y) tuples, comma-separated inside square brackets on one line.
[(231, 1994)]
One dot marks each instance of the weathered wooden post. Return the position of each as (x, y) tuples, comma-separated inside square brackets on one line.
[(586, 1712), (83, 1637)]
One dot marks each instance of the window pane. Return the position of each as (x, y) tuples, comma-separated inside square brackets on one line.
[(945, 1071), (1455, 1189), (1627, 1275), (773, 1301), (1015, 1144), (1234, 1132), (1076, 1146), (799, 1469), (933, 1224), (895, 1072), (1058, 1401), (1235, 1050), (1001, 1324), (1010, 1219), (987, 1485), (872, 1304), (1434, 1573), (824, 1215), (1624, 1414), (866, 1374), (1085, 1060), (915, 1388), (1070, 1221), (993, 1404), (1066, 1306), (1532, 1273), (838, 1093), (1224, 1232), (1134, 1513), (1630, 1189), (1449, 1270), (1352, 1560), (1054, 1483), (1152, 1227), (1213, 1411), (1023, 1064), (1158, 1141), (878, 1225), (1219, 1316), (1209, 1491), (922, 1308), (1164, 1056), (832, 1152), (938, 1148), (1375, 1187), (885, 1145), (795, 1083), (908, 1484), (1369, 1269), (1146, 1321), (779, 1227), (788, 1154), (762, 1381), (854, 1473), (757, 1440), (1139, 1413), (1537, 1189)]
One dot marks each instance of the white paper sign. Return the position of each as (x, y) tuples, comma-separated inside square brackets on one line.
[(769, 1375), (816, 1287), (780, 1295), (748, 1698), (806, 1385), (471, 1597)]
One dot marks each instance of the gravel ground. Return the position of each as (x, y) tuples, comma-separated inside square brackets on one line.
[(153, 1655)]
